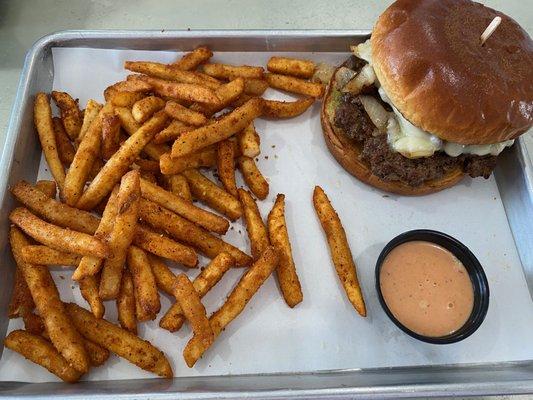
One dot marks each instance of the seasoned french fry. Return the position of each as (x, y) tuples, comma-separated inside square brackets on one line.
[(249, 141), (199, 216), (295, 85), (171, 132), (248, 285), (117, 165), (127, 99), (143, 282), (126, 304), (110, 135), (65, 149), (143, 109), (44, 255), (279, 237), (164, 277), (70, 113), (183, 114), (88, 151), (181, 91), (91, 265), (229, 72), (169, 72), (33, 323), (206, 157), (219, 130), (208, 277), (21, 302), (121, 342), (255, 87), (145, 165), (291, 66), (89, 291), (56, 237), (97, 354), (226, 94), (53, 210), (126, 86), (122, 234), (91, 112), (42, 116), (286, 109), (187, 232), (43, 353), (211, 194), (226, 166), (44, 293), (253, 177), (191, 60), (178, 185), (239, 101), (257, 232), (49, 188), (194, 310), (165, 247), (340, 250)]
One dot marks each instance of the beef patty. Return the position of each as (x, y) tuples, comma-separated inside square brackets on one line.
[(352, 119)]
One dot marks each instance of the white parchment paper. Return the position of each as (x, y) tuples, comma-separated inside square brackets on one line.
[(323, 332)]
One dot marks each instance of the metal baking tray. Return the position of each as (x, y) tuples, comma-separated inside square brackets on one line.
[(20, 159)]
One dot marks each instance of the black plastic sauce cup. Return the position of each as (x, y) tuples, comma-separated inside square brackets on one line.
[(472, 265)]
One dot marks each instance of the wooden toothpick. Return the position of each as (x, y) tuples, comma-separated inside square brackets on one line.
[(490, 29)]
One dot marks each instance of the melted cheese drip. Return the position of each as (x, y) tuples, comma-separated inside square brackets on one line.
[(413, 142)]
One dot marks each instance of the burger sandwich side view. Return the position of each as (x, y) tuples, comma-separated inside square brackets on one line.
[(425, 101)]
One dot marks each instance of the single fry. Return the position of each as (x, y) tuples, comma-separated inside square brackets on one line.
[(124, 227), (255, 87), (183, 114), (191, 60), (144, 284), (208, 277), (126, 304), (44, 255), (171, 132), (97, 354), (90, 113), (187, 232), (206, 157), (42, 116), (70, 113), (126, 86), (65, 149), (295, 85), (286, 109), (41, 352), (89, 291), (178, 185), (230, 72), (279, 237), (163, 246), (56, 237), (49, 188), (146, 166), (257, 232), (143, 109), (226, 94), (110, 135), (253, 177), (44, 293), (340, 250), (53, 210), (181, 91), (249, 141), (194, 310), (248, 285), (291, 66), (219, 130), (164, 277), (21, 302), (117, 165), (199, 216), (126, 99), (212, 195), (88, 152), (121, 342), (226, 166)]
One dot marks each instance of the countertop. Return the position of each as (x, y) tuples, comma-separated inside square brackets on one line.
[(22, 22)]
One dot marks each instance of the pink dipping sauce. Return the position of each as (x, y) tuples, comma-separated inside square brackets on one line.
[(426, 288)]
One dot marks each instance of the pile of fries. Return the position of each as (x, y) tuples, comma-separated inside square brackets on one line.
[(126, 173)]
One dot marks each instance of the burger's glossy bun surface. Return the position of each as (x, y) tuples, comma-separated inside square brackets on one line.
[(428, 57), (348, 152)]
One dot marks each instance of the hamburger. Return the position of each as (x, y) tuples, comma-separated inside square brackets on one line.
[(424, 102)]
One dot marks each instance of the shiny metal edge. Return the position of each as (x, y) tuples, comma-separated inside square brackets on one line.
[(513, 175)]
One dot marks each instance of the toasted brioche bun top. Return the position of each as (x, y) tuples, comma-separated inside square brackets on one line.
[(427, 55)]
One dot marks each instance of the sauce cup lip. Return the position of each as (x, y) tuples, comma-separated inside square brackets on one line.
[(472, 265)]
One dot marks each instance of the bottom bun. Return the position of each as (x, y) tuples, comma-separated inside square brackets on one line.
[(348, 154)]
